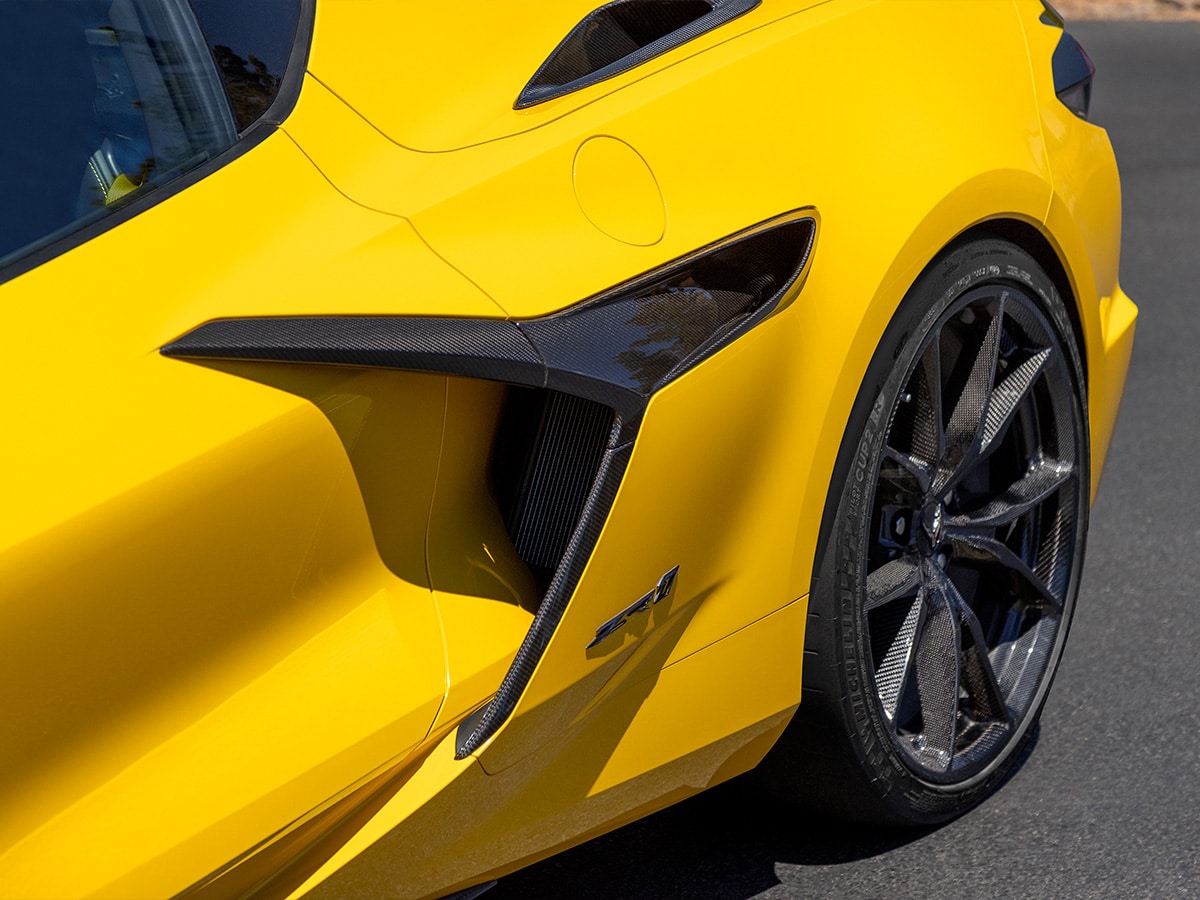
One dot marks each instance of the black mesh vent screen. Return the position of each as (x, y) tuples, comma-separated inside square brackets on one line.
[(545, 461)]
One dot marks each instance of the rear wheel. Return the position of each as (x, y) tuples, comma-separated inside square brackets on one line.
[(949, 561)]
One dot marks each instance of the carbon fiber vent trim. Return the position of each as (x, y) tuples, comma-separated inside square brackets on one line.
[(579, 551), (622, 35), (616, 349), (477, 348)]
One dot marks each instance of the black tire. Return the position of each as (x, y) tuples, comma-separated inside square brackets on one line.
[(950, 549)]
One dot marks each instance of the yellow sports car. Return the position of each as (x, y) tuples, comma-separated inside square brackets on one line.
[(439, 432)]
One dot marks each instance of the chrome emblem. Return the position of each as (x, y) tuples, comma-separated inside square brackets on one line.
[(932, 520), (651, 598)]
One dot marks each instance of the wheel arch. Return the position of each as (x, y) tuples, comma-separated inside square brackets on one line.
[(814, 711), (1036, 244), (945, 226)]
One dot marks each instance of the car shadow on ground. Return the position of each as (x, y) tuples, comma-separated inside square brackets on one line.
[(724, 844)]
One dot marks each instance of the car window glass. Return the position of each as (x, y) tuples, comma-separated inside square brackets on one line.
[(251, 43), (103, 100)]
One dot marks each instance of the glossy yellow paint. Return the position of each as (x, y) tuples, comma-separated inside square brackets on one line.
[(454, 199), (1083, 223), (485, 594), (467, 78), (232, 595), (470, 553), (270, 653), (290, 622), (618, 193), (481, 64), (608, 770)]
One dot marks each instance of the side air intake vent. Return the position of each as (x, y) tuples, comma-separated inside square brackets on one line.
[(622, 35), (580, 382), (544, 464)]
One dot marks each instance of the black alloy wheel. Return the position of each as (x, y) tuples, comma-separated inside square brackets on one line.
[(949, 565)]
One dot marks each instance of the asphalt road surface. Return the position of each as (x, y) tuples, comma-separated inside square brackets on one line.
[(1107, 805)]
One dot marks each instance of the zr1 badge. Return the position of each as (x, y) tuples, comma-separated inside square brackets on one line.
[(652, 598)]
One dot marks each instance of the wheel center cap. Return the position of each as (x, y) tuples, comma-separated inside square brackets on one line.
[(933, 520)]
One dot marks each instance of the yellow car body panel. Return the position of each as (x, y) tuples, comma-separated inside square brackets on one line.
[(1084, 223), (296, 584), (246, 605), (611, 769), (455, 199), (471, 75)]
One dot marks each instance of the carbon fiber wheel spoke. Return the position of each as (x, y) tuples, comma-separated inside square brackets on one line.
[(1041, 482), (987, 549), (920, 471), (929, 435), (895, 579), (937, 671), (1007, 397), (964, 434), (893, 673), (983, 687)]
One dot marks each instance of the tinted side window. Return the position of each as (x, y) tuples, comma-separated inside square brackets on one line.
[(103, 99), (251, 43)]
